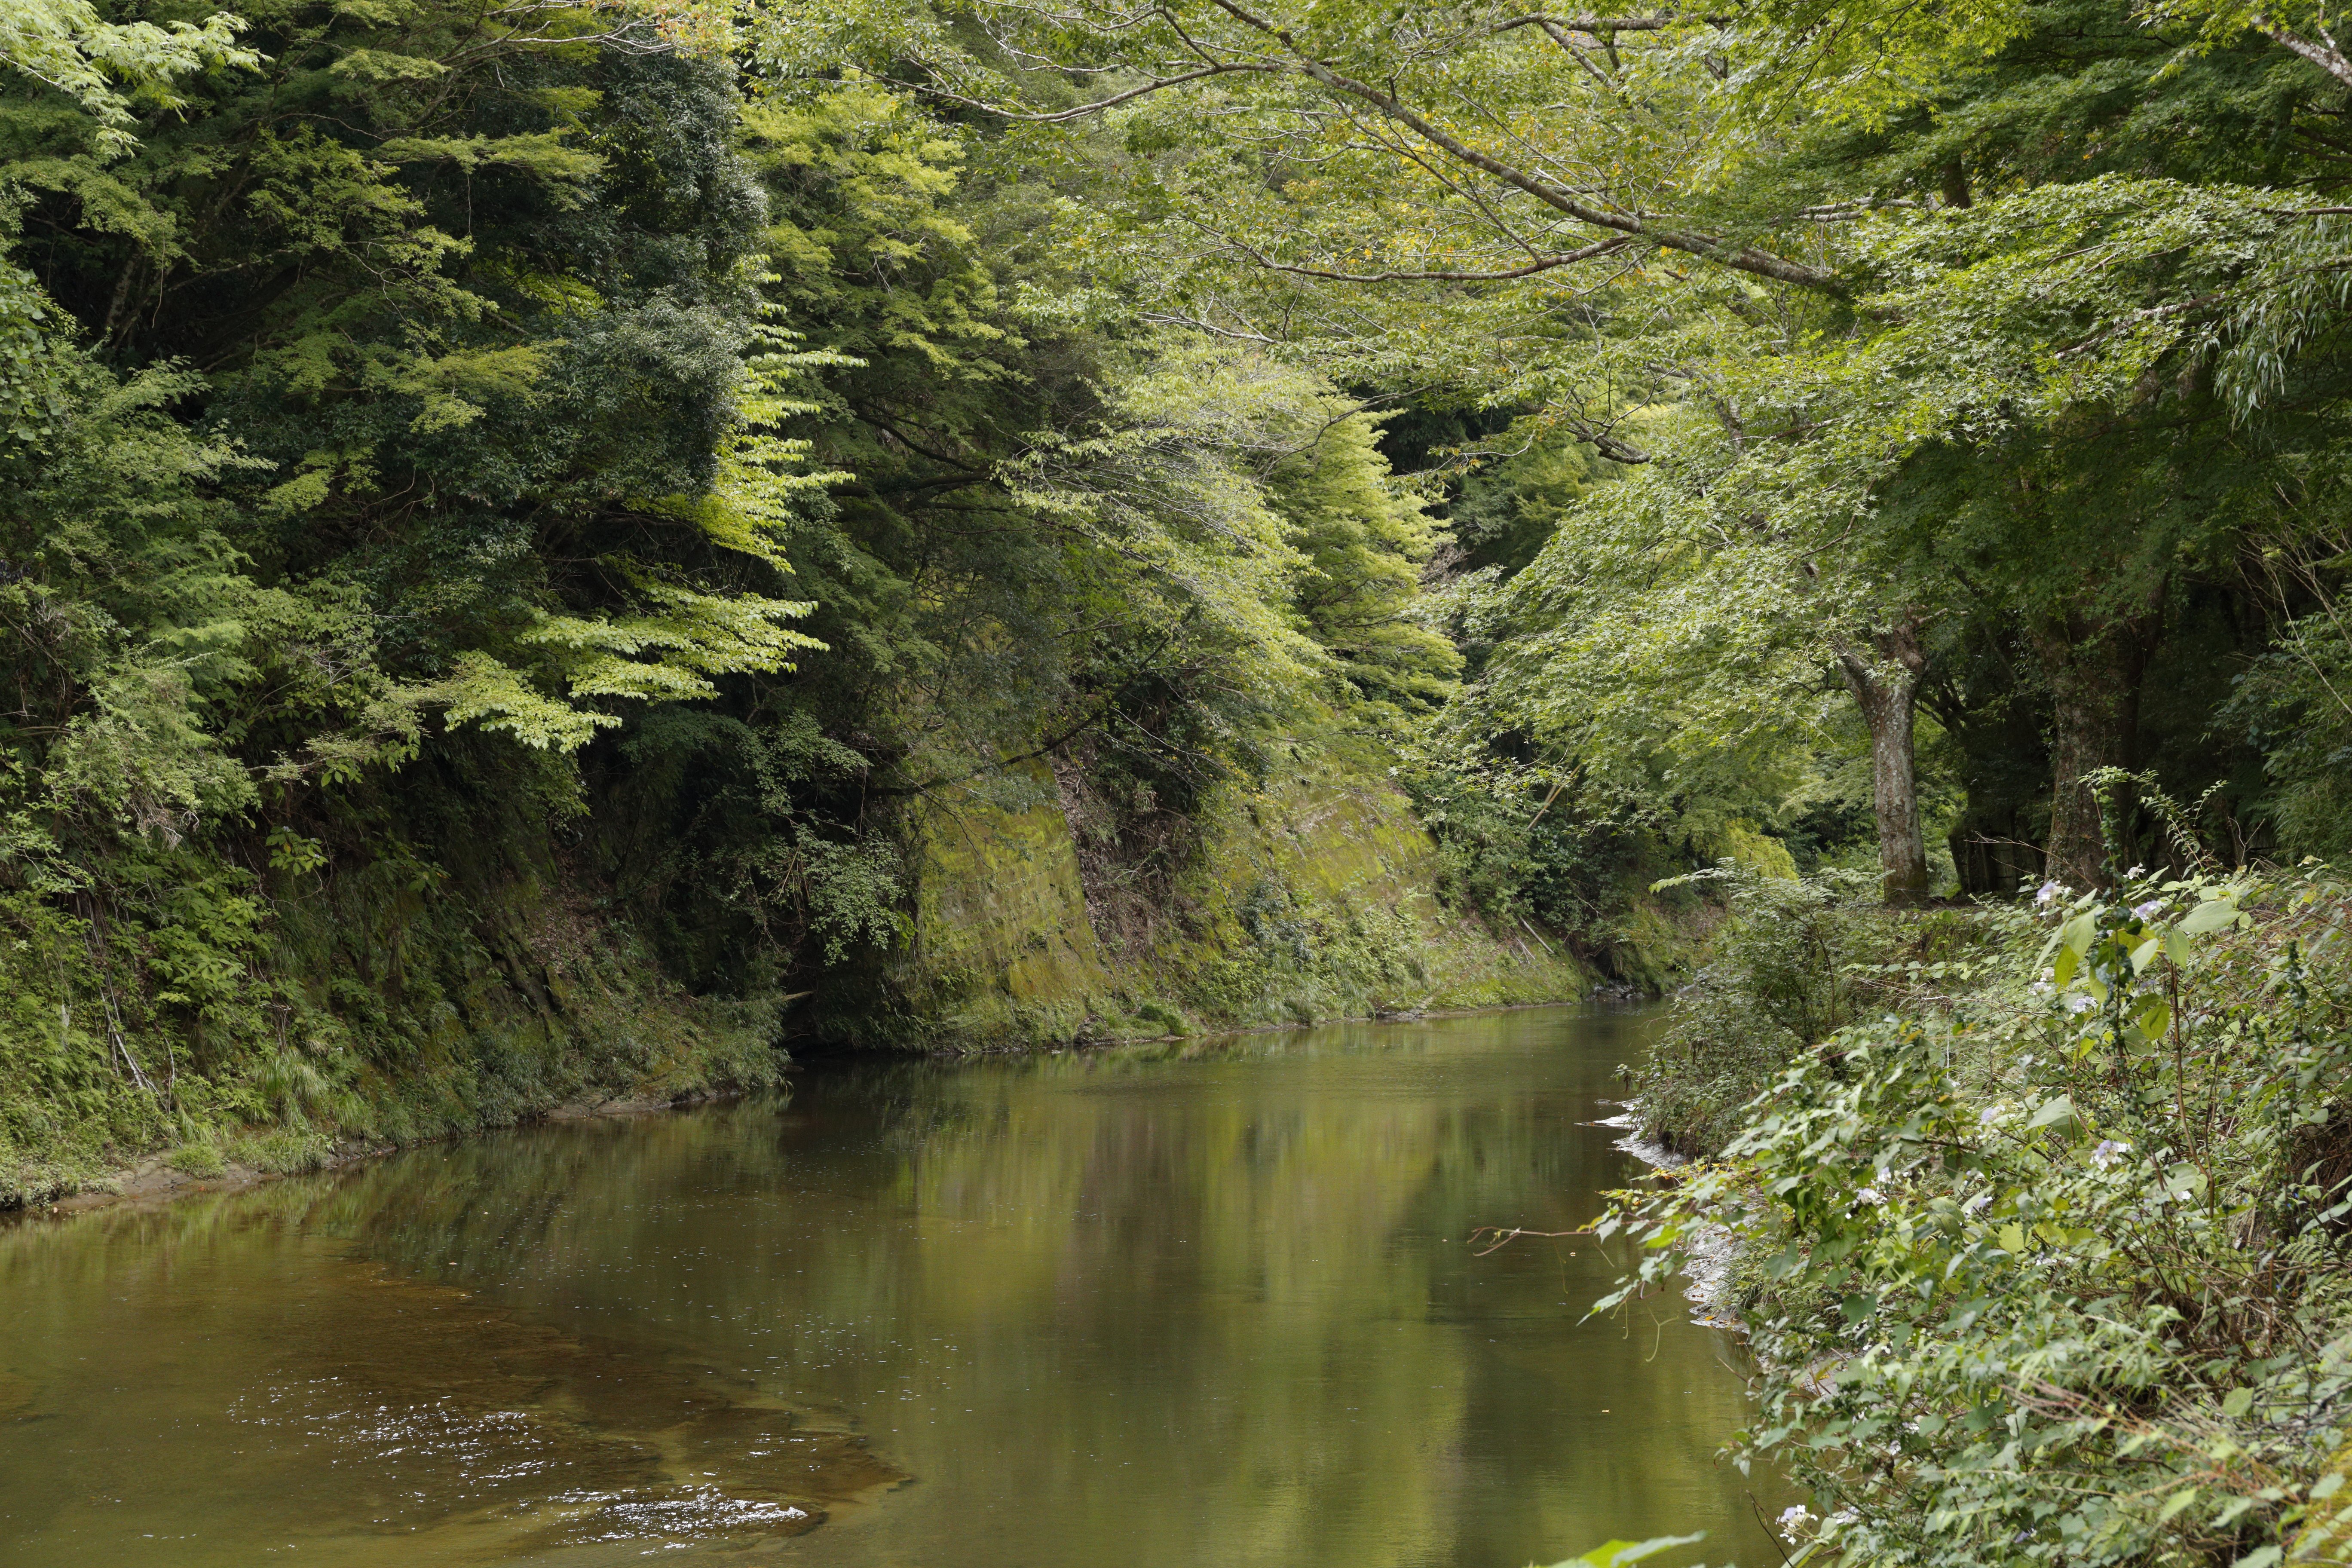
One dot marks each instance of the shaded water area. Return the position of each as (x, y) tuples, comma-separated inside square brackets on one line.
[(1200, 1305)]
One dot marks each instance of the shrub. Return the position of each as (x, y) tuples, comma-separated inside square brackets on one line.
[(1777, 980), (2052, 1264)]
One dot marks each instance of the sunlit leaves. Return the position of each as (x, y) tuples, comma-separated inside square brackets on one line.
[(108, 67)]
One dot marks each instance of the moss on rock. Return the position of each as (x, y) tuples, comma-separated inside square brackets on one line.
[(1309, 898)]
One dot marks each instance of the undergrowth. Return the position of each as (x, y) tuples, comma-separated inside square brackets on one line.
[(2045, 1212), (195, 1009)]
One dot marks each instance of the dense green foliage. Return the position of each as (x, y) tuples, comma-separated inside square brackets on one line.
[(526, 537), (1910, 448), (2045, 1265), (503, 517), (1869, 432)]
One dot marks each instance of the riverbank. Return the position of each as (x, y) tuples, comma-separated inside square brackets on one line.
[(1712, 1248), (162, 1176), (359, 1010), (2038, 1212), (157, 1179)]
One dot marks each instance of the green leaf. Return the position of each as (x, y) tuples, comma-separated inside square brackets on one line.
[(1617, 1554), (2077, 933), (2051, 1112), (2176, 1502), (2211, 915), (2239, 1402)]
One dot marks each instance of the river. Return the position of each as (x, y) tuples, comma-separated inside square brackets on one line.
[(1212, 1305)]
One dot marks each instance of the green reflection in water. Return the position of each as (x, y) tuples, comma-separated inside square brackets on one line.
[(1209, 1305)]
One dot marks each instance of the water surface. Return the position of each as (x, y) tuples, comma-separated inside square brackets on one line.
[(1200, 1306)]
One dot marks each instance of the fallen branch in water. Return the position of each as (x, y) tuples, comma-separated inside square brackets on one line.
[(1504, 1237)]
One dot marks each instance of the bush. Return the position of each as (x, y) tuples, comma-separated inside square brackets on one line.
[(1777, 980), (2050, 1257)]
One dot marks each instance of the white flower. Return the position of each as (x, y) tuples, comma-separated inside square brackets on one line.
[(2150, 910), (2135, 873), (1793, 1520), (2049, 893), (1870, 1195), (2108, 1151), (2026, 1060), (2042, 988), (1977, 1202), (2078, 1003), (1991, 1115)]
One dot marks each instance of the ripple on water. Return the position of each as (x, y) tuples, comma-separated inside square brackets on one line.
[(366, 1404)]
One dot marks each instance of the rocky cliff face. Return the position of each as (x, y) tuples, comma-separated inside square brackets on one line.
[(486, 976), (1310, 898)]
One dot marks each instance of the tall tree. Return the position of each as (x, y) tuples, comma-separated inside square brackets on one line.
[(1860, 234)]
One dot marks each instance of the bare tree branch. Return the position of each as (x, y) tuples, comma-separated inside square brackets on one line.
[(2324, 54), (1745, 259), (1542, 264), (1597, 26)]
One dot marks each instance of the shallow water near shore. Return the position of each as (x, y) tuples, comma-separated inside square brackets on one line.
[(1190, 1304)]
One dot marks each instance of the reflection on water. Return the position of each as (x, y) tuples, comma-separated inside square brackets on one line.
[(1209, 1305)]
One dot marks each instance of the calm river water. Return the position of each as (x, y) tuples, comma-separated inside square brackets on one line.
[(1202, 1306)]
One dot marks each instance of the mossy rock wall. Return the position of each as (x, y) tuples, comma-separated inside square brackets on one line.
[(1002, 946), (265, 1019), (1310, 898), (1653, 949)]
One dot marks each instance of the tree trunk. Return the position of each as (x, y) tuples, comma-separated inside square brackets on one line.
[(2094, 668), (1886, 687)]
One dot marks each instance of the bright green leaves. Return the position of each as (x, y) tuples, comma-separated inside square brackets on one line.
[(107, 67), (384, 65), (2057, 1111), (453, 402), (670, 650), (884, 260), (1620, 1553), (2217, 912), (1866, 62), (483, 691), (1254, 499), (2101, 954), (36, 363), (676, 641)]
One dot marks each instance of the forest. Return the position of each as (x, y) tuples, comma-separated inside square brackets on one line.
[(562, 552)]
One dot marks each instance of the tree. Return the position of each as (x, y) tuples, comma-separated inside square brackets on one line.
[(1865, 237)]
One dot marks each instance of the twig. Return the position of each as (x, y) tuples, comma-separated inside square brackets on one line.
[(1504, 1237)]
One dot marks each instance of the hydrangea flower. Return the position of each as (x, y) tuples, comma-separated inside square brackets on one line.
[(2108, 1151)]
